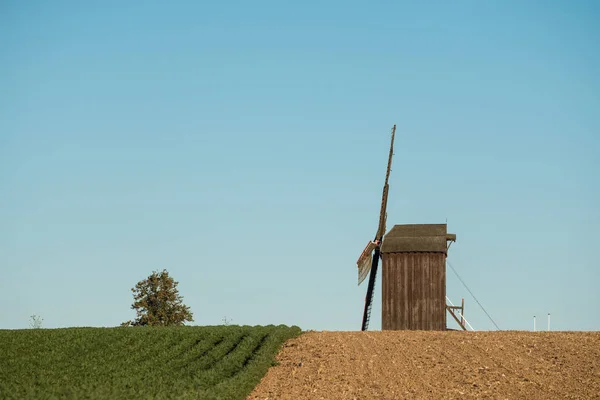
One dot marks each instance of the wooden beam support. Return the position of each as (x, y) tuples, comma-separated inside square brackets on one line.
[(451, 311)]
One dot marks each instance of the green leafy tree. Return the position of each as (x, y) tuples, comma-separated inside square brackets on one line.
[(157, 302)]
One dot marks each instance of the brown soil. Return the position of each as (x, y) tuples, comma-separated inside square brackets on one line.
[(436, 365)]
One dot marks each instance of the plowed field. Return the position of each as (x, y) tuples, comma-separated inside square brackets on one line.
[(436, 365)]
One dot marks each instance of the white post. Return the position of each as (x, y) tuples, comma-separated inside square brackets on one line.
[(534, 323), (548, 322)]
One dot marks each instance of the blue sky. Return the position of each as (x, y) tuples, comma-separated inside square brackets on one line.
[(242, 146)]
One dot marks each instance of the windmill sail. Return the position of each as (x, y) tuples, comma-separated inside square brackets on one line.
[(374, 246), (364, 262)]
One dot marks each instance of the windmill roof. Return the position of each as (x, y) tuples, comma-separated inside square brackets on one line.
[(417, 238)]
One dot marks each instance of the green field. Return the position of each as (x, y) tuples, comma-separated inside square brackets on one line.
[(215, 362)]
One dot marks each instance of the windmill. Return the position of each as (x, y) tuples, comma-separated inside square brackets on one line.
[(365, 262)]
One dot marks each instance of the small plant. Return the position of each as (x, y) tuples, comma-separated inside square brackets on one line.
[(35, 322)]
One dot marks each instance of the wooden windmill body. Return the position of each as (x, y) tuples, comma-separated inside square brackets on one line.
[(414, 277)]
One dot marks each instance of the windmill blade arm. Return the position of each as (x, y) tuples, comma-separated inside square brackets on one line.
[(384, 197), (382, 214), (370, 290)]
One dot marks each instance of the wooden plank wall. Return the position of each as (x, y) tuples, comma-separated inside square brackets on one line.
[(414, 291)]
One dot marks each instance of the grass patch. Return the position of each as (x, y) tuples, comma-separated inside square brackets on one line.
[(213, 362)]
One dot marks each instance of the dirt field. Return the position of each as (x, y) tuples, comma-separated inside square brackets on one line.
[(436, 365)]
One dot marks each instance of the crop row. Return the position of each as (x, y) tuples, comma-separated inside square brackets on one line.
[(182, 362)]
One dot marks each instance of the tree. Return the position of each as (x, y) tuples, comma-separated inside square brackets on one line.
[(157, 302)]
